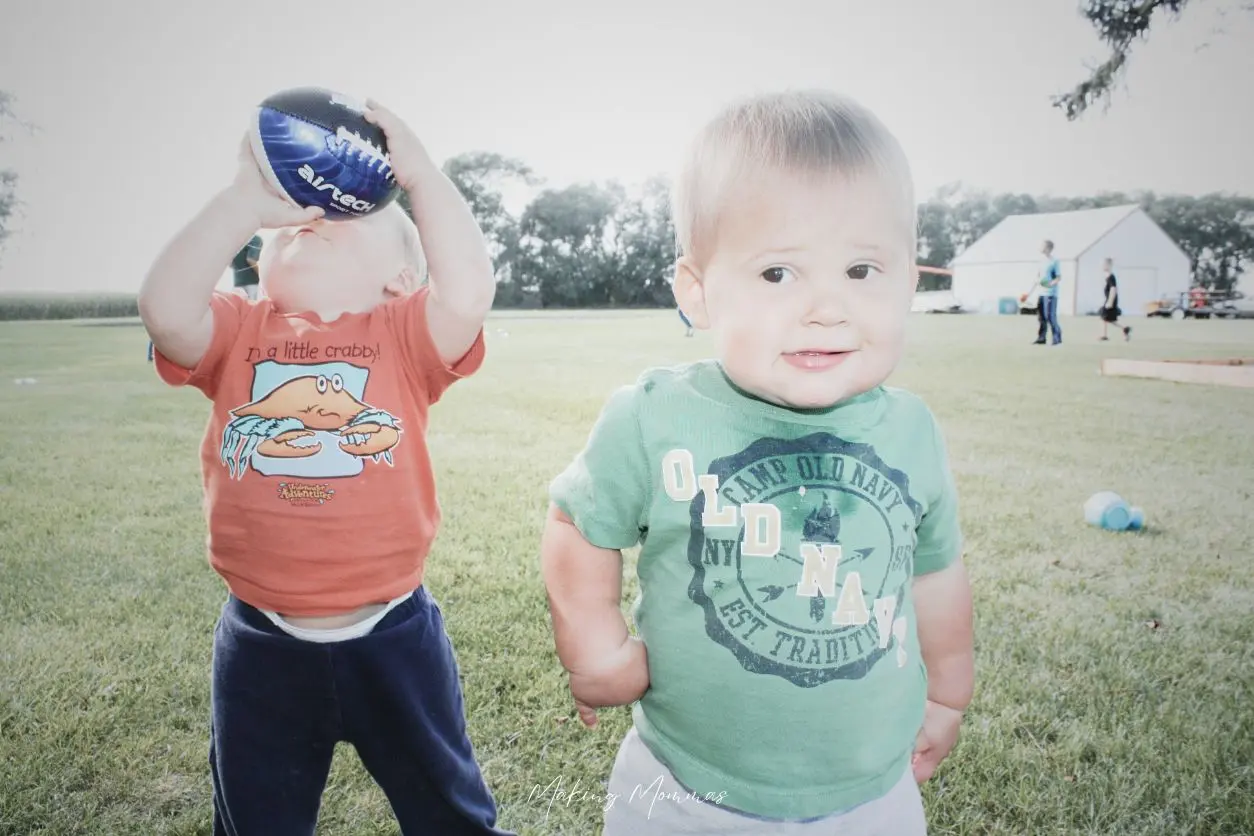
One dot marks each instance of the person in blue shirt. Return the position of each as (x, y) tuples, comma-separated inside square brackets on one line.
[(1046, 285)]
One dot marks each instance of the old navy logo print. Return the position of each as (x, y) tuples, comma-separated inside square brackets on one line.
[(801, 553)]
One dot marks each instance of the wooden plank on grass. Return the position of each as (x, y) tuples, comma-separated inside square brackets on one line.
[(1238, 372)]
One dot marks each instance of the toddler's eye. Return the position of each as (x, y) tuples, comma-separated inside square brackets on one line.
[(321, 383), (860, 271), (337, 383), (778, 275)]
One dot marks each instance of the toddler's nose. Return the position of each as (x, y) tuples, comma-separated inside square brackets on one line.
[(827, 305)]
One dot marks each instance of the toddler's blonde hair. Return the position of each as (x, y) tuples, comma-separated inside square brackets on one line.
[(797, 132), (415, 258)]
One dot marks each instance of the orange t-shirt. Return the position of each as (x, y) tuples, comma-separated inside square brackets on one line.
[(319, 492)]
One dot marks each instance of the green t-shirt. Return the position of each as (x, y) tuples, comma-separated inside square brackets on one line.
[(784, 664), (245, 272)]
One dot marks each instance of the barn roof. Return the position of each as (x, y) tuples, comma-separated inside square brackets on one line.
[(1019, 237)]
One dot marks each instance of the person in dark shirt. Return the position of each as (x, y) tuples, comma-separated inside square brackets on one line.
[(245, 266), (1109, 311)]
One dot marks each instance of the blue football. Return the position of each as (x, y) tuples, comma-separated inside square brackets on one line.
[(316, 148)]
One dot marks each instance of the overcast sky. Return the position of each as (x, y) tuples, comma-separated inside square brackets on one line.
[(140, 103)]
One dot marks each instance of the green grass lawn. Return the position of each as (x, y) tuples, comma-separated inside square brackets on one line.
[(1115, 672)]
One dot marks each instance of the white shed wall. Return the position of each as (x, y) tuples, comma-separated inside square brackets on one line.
[(979, 287)]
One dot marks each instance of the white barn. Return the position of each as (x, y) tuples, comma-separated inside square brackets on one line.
[(1003, 264)]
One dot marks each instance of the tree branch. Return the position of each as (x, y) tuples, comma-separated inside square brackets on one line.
[(1119, 23)]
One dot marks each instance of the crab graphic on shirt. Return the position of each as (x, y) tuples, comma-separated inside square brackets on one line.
[(309, 421)]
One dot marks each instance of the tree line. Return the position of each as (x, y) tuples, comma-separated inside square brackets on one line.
[(602, 245), (589, 245), (8, 177)]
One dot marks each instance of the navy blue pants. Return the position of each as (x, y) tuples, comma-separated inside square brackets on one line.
[(1047, 316), (281, 704)]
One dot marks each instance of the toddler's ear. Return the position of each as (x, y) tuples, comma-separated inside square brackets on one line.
[(690, 292)]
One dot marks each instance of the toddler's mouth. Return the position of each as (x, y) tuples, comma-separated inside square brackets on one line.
[(815, 359)]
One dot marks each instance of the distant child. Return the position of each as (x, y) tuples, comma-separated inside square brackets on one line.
[(319, 493), (1110, 310), (804, 614)]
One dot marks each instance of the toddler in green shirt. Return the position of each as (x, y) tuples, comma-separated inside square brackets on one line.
[(804, 650)]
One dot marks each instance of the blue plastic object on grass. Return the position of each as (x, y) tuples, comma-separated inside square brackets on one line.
[(1107, 510)]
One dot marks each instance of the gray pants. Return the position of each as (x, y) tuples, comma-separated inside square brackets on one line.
[(648, 800)]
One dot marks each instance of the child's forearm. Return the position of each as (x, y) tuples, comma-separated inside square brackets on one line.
[(618, 679), (950, 679), (174, 298), (584, 585), (461, 273), (942, 603)]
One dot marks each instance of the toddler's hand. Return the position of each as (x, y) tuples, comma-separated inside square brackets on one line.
[(935, 739), (621, 679), (259, 197), (409, 159)]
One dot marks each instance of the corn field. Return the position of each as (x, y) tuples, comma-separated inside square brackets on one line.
[(67, 306)]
